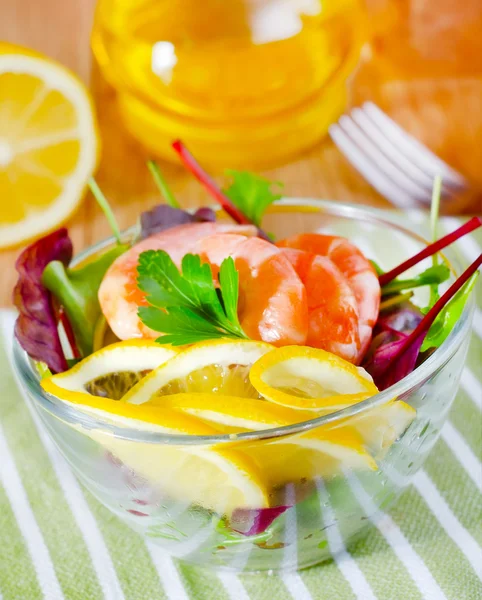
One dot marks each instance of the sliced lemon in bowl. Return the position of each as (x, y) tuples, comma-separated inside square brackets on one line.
[(232, 414), (110, 372), (291, 458), (381, 426), (48, 144), (307, 378), (219, 479), (220, 366)]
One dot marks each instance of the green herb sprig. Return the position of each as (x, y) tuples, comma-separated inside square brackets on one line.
[(186, 306)]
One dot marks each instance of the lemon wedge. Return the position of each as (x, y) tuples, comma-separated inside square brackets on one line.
[(307, 378), (48, 144), (110, 372), (220, 366)]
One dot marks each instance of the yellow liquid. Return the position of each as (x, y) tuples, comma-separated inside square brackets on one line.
[(245, 83)]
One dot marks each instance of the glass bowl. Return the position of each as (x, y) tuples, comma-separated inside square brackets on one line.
[(314, 498)]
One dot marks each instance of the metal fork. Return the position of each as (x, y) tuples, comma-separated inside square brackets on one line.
[(395, 163)]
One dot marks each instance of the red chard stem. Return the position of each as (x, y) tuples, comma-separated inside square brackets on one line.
[(443, 242), (190, 163)]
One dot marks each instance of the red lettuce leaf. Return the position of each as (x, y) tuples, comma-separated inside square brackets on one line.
[(252, 521), (163, 217), (36, 326), (381, 363)]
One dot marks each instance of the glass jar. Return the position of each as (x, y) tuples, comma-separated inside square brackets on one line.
[(248, 83)]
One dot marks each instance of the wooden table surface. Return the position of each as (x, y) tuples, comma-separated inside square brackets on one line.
[(445, 113)]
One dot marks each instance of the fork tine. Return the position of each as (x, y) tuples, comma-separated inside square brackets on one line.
[(413, 149), (391, 151), (390, 169), (369, 170)]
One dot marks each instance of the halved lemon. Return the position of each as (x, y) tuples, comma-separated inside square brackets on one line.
[(307, 378), (220, 366), (110, 372), (48, 144)]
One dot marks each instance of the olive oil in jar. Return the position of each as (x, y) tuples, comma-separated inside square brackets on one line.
[(244, 83)]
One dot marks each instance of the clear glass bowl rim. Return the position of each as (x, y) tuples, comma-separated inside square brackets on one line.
[(65, 412)]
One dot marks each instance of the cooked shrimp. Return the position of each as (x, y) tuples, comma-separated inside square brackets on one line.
[(332, 307), (119, 296), (272, 298), (357, 269)]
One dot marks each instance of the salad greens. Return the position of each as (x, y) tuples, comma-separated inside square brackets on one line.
[(252, 194), (434, 275), (163, 217), (106, 209), (237, 213), (76, 291), (186, 306), (448, 316), (397, 354), (162, 184), (37, 325), (434, 215)]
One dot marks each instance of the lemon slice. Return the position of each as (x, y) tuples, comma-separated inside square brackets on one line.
[(231, 413), (381, 426), (320, 452), (48, 144), (311, 379), (109, 372), (216, 479), (220, 366)]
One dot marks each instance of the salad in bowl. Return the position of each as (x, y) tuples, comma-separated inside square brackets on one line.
[(246, 384)]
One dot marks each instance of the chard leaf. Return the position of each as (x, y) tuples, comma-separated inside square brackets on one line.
[(448, 317), (76, 290), (252, 194), (434, 275)]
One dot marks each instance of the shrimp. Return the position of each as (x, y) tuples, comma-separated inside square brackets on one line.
[(272, 299), (356, 268), (332, 307), (119, 295)]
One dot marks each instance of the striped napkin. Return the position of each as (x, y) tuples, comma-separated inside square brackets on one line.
[(57, 541)]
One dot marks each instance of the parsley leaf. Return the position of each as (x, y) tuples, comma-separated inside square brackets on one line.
[(252, 194), (186, 305)]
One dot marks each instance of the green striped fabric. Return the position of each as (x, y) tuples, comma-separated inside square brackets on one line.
[(57, 541)]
